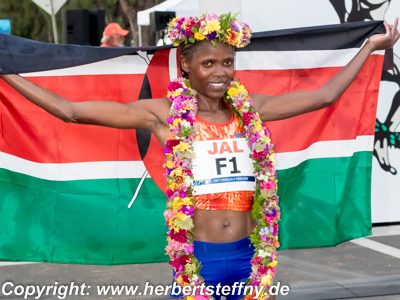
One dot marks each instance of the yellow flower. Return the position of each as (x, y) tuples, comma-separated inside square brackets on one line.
[(181, 216), (198, 36), (232, 92), (170, 164), (266, 280), (179, 280), (190, 268), (258, 126), (172, 225), (176, 94), (272, 158), (182, 146), (176, 122), (174, 20), (190, 298), (179, 202), (176, 172), (212, 25), (172, 186), (241, 89), (273, 264)]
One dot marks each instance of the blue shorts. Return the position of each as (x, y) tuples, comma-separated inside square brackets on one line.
[(224, 264)]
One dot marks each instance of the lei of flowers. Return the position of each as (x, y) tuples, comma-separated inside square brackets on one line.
[(225, 27), (180, 204)]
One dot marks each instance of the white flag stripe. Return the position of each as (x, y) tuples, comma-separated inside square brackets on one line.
[(326, 149), (127, 64), (73, 171), (290, 60), (173, 67), (135, 169)]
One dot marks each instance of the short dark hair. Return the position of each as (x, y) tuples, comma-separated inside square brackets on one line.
[(186, 50)]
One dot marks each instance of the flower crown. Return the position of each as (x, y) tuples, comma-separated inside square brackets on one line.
[(225, 27)]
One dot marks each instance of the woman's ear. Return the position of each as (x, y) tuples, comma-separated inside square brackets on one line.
[(184, 64)]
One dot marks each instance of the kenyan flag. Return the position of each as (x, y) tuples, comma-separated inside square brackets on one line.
[(65, 188)]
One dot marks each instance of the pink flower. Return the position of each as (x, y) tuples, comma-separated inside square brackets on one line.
[(185, 278), (170, 144), (247, 118), (269, 219), (189, 172), (271, 184), (256, 260), (189, 248), (169, 214), (175, 246), (259, 154), (180, 236), (170, 193), (182, 260)]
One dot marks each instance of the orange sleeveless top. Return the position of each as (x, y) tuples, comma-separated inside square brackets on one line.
[(240, 200)]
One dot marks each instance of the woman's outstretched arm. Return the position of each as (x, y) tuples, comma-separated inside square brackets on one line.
[(149, 115), (296, 103)]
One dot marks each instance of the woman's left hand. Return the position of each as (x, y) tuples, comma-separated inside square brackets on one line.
[(385, 40)]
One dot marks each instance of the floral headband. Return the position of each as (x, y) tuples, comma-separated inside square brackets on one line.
[(225, 27)]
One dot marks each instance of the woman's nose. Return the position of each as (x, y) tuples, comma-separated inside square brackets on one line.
[(219, 71)]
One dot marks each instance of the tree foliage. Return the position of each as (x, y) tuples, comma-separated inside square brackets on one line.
[(29, 21)]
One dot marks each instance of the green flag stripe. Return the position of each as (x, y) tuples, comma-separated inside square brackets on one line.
[(88, 222)]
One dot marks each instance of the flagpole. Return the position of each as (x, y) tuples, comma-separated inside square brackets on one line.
[(53, 20)]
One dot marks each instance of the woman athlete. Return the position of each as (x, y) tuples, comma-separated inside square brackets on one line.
[(222, 223)]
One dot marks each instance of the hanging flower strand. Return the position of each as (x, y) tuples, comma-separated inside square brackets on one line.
[(180, 204)]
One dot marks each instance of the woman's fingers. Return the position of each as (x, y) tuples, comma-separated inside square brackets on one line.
[(387, 27), (394, 27)]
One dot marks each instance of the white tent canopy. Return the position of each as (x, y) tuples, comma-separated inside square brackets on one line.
[(183, 8)]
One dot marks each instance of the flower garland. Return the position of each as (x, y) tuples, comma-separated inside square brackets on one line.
[(180, 204), (211, 27)]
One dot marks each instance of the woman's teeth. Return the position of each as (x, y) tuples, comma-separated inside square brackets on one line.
[(217, 84)]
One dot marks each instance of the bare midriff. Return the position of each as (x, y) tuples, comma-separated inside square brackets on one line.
[(222, 226)]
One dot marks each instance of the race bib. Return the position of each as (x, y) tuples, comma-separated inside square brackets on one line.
[(222, 166)]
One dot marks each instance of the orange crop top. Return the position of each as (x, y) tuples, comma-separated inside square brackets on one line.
[(240, 200)]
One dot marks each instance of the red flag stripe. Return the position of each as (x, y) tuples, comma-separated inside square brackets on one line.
[(29, 132)]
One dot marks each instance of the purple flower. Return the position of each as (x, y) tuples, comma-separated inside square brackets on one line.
[(211, 36), (165, 150), (234, 26), (187, 210), (265, 231), (213, 16)]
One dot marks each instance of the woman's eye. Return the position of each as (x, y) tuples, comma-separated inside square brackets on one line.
[(207, 63), (228, 62)]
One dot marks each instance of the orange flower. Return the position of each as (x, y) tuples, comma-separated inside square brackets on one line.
[(251, 296), (231, 37)]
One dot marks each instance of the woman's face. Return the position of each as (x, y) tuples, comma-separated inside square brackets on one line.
[(210, 68)]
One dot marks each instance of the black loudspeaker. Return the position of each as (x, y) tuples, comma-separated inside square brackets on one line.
[(82, 27), (97, 23), (160, 19)]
